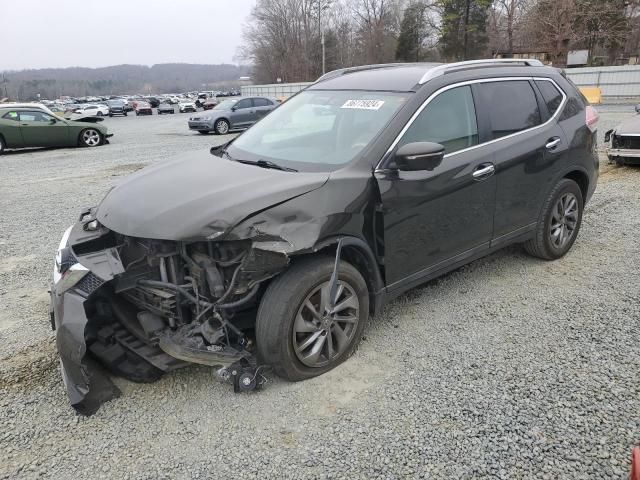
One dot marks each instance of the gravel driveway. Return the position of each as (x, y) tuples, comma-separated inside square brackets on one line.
[(509, 368)]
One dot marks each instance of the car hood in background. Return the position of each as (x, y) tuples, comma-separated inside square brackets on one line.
[(198, 196), (631, 126)]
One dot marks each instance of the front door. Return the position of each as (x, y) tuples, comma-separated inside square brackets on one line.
[(434, 218), (39, 129), (10, 129), (244, 113)]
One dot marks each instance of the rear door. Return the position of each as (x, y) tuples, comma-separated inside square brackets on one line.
[(10, 129), (528, 146), (39, 129), (262, 106)]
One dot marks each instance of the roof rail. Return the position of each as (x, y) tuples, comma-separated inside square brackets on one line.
[(445, 67), (360, 68)]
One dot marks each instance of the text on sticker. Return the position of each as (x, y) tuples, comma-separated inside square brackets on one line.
[(363, 104)]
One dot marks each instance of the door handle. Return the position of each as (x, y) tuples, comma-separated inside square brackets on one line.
[(483, 171), (553, 143)]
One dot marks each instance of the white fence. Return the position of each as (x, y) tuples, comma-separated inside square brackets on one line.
[(277, 90), (623, 81)]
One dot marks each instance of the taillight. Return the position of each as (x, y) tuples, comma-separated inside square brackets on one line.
[(592, 118)]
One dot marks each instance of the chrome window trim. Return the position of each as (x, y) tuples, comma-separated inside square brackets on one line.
[(472, 82)]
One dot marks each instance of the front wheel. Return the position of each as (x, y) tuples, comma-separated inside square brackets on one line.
[(90, 137), (298, 333), (559, 223), (222, 127)]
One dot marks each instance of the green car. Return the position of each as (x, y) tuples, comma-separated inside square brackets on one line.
[(33, 125)]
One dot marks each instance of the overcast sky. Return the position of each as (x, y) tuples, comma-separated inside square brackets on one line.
[(98, 33)]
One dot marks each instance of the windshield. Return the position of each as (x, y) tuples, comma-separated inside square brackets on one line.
[(116, 103), (318, 130), (226, 105)]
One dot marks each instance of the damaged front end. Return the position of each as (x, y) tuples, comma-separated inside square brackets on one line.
[(142, 307)]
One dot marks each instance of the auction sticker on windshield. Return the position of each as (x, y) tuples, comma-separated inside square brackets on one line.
[(363, 104)]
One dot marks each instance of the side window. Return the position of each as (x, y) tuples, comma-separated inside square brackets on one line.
[(551, 94), (512, 104), (449, 119), (246, 103), (35, 117), (261, 102), (11, 116)]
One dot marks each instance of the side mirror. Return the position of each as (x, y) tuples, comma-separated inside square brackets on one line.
[(52, 121), (233, 109), (419, 156)]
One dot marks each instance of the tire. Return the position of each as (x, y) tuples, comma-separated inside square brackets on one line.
[(2, 145), (285, 301), (222, 127), (556, 231), (137, 114), (111, 114), (125, 114), (100, 114), (90, 137)]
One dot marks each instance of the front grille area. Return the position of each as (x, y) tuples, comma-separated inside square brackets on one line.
[(89, 283), (620, 141)]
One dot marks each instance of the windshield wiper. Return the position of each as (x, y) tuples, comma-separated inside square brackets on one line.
[(267, 164)]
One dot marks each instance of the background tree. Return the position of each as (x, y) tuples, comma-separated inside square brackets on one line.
[(415, 30), (464, 28)]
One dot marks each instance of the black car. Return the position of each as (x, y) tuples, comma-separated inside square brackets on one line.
[(275, 250), (117, 107), (153, 101), (165, 108)]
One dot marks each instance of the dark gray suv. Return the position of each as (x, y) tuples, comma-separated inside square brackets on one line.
[(232, 114), (275, 250)]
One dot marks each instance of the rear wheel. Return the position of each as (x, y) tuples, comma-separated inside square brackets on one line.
[(100, 114), (296, 331), (90, 137), (2, 145), (560, 222), (222, 127)]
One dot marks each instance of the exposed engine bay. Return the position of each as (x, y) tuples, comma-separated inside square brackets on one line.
[(156, 305)]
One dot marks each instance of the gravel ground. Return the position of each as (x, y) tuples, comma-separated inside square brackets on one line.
[(508, 368)]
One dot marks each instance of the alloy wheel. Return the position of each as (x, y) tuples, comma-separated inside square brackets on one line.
[(564, 219), (222, 127), (322, 334), (91, 137)]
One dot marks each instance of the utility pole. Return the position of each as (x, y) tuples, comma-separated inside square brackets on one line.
[(321, 34)]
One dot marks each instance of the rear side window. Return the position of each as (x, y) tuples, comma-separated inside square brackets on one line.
[(551, 94), (449, 119), (512, 106), (261, 102)]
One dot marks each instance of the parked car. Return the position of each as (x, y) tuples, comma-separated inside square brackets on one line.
[(623, 142), (186, 105), (97, 110), (232, 114), (165, 108), (210, 103), (33, 125), (117, 107), (280, 246), (143, 108)]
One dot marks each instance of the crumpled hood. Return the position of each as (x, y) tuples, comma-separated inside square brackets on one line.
[(197, 196), (631, 126)]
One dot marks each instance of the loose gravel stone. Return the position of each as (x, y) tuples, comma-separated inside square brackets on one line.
[(510, 367)]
